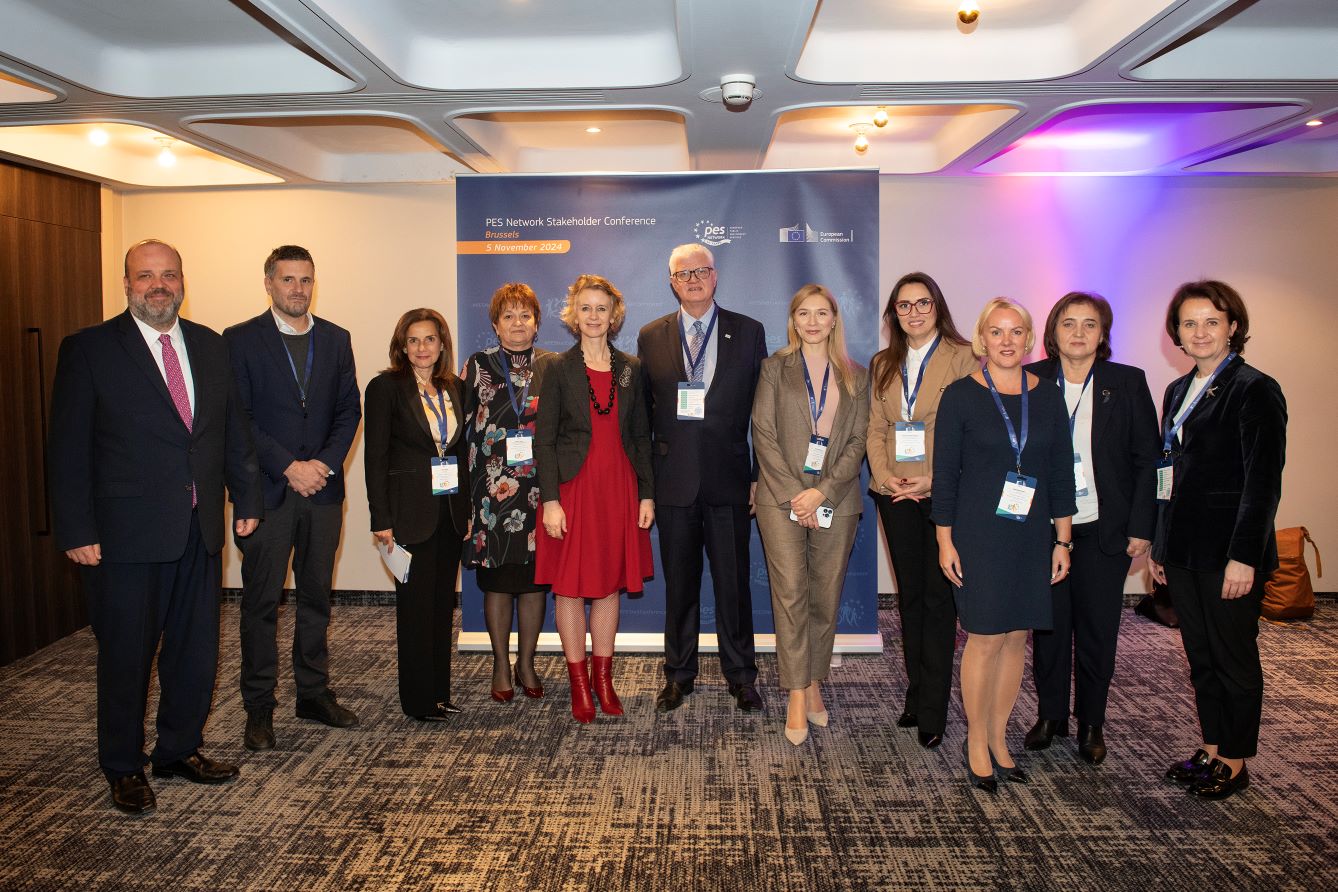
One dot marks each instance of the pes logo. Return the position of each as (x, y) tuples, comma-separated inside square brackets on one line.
[(714, 234)]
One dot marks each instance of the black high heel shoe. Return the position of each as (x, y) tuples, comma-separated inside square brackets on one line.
[(986, 783), (1014, 774)]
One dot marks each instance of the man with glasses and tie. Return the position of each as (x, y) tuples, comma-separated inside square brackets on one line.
[(701, 365), (146, 428)]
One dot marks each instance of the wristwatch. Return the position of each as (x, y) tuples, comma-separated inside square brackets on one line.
[(1063, 544)]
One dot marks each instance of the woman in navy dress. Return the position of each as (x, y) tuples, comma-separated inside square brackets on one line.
[(1003, 469)]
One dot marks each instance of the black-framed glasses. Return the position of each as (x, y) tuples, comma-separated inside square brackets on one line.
[(921, 306), (687, 275)]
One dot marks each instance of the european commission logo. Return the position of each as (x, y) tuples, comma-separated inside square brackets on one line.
[(800, 232)]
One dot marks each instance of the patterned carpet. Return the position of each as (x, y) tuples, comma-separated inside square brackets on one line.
[(519, 797)]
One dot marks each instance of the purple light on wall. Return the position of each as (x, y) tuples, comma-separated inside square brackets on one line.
[(1130, 137)]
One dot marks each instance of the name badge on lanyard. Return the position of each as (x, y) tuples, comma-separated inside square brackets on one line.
[(1018, 489), (1171, 427), (519, 442), (691, 393), (445, 469), (910, 435), (817, 446), (1079, 472)]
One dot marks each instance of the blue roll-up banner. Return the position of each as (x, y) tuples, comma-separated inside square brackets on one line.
[(771, 233)]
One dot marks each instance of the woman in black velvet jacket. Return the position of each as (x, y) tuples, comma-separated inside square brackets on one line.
[(1225, 435)]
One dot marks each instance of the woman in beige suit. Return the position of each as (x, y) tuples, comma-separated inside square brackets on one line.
[(809, 420), (924, 354)]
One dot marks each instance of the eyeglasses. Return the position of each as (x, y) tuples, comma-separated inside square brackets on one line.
[(921, 306), (687, 275)]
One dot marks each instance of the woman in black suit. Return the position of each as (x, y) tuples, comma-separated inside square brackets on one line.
[(1113, 424), (414, 454), (1224, 442)]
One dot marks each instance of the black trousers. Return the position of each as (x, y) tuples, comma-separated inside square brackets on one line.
[(424, 616), (133, 607), (928, 614), (1081, 646), (1221, 639), (310, 535), (722, 532)]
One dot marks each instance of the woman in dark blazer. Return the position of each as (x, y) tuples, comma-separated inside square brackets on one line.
[(1224, 429), (414, 454), (1113, 424), (592, 451), (808, 509)]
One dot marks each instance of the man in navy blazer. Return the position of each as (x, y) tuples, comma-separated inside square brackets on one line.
[(701, 364), (145, 429), (297, 384)]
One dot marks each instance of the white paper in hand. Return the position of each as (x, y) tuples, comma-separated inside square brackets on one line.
[(396, 559)]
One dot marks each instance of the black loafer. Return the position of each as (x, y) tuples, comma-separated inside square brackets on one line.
[(1043, 733), (1219, 783), (259, 730), (324, 708), (930, 741), (132, 794), (671, 695), (1091, 744), (1191, 770), (746, 697), (907, 720), (198, 769)]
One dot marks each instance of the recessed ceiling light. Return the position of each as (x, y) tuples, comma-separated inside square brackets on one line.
[(1314, 123), (98, 137), (592, 130), (880, 117), (165, 157)]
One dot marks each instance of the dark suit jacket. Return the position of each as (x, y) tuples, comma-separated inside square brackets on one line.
[(1227, 477), (122, 460), (562, 429), (397, 452), (1125, 449), (708, 458), (284, 429)]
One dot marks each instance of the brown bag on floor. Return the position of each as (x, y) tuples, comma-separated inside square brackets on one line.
[(1288, 593)]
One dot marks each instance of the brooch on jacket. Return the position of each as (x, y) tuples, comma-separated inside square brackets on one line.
[(625, 377)]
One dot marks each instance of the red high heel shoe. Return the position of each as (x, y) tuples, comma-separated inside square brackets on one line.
[(532, 693), (602, 680), (582, 706), (503, 696)]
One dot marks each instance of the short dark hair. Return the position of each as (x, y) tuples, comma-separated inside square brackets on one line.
[(399, 341), (517, 293), (286, 252), (1222, 296), (1103, 313)]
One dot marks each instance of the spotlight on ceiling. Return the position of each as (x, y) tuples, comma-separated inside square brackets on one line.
[(968, 12), (861, 128), (1314, 122), (593, 130), (165, 157), (98, 137), (880, 117)]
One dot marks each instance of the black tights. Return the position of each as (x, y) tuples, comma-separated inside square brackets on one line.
[(497, 613)]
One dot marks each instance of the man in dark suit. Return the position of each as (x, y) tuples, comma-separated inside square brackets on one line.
[(296, 381), (145, 429), (701, 366)]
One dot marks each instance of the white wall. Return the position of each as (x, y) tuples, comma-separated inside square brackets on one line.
[(382, 250)]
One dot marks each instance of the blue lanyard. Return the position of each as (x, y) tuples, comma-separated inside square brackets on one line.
[(701, 357), (1008, 422), (311, 352), (518, 408), (1073, 418), (1189, 410), (814, 406), (919, 379), (441, 416)]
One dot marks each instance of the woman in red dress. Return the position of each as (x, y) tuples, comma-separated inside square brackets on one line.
[(592, 452)]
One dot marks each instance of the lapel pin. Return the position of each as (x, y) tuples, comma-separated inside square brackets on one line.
[(727, 337), (1212, 391), (1105, 396)]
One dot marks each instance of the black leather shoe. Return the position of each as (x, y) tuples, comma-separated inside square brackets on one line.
[(259, 730), (671, 695), (438, 713), (907, 720), (132, 794), (1043, 733), (1219, 784), (1191, 770), (1091, 744), (746, 697), (449, 708), (198, 769), (324, 708), (930, 741)]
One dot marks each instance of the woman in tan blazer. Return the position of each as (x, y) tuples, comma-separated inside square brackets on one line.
[(809, 421), (924, 354)]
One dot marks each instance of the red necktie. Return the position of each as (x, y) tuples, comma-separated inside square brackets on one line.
[(176, 385)]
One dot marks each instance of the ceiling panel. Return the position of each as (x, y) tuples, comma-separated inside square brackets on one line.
[(514, 44), (547, 142), (916, 138), (1299, 149), (157, 48), (919, 41), (16, 90)]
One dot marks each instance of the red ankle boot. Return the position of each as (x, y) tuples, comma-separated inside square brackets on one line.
[(603, 682), (582, 707)]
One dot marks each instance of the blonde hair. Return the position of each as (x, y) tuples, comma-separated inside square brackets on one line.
[(617, 312), (836, 341), (1001, 303)]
